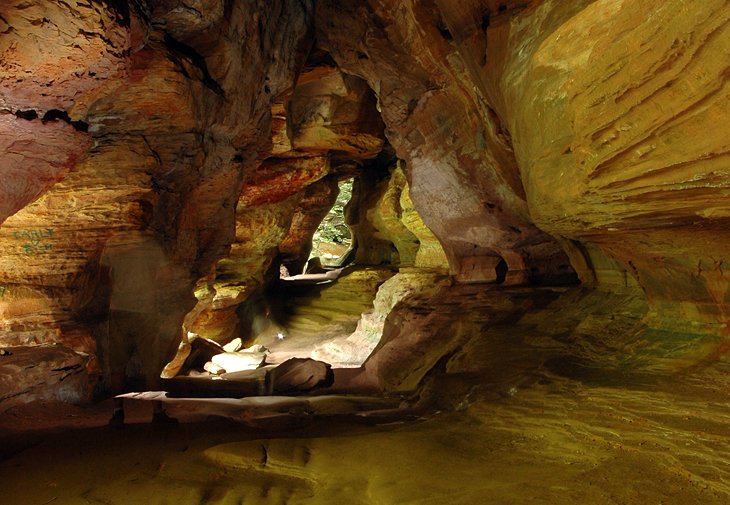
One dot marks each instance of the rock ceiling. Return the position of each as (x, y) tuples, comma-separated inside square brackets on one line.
[(567, 140)]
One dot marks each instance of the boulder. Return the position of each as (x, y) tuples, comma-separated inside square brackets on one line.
[(43, 372), (202, 351), (248, 359), (301, 374)]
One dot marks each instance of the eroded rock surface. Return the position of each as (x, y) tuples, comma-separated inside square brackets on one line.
[(42, 373), (626, 155), (461, 168), (540, 142), (173, 126), (323, 120)]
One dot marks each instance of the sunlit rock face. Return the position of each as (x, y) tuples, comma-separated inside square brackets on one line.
[(261, 227), (162, 148), (627, 154), (388, 229), (333, 111), (592, 121), (314, 205)]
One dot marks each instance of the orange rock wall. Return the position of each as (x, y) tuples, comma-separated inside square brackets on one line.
[(176, 107), (558, 136)]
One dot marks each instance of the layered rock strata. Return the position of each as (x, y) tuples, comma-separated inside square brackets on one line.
[(592, 121), (325, 126), (173, 102), (540, 138)]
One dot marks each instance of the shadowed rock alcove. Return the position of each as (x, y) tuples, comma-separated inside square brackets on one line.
[(529, 302)]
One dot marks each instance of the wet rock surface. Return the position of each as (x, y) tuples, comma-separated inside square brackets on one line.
[(177, 157), (551, 411)]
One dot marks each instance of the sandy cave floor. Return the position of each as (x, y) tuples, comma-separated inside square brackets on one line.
[(557, 443), (576, 402)]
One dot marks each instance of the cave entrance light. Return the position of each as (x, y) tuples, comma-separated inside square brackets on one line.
[(332, 240)]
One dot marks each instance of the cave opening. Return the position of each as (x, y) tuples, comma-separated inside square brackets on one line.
[(332, 240)]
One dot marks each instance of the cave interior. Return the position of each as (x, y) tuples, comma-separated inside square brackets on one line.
[(364, 252)]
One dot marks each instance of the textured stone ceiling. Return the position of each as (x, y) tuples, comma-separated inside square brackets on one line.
[(556, 140)]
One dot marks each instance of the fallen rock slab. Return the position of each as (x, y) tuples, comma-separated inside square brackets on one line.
[(260, 411), (203, 350), (299, 375), (45, 372)]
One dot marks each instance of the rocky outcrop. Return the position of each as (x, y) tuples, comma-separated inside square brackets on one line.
[(407, 289), (386, 228), (323, 124), (610, 148), (626, 155), (300, 375), (47, 372), (463, 176), (316, 202), (172, 155), (37, 154), (333, 111), (174, 127)]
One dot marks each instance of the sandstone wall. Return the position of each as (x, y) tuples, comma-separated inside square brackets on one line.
[(164, 110), (593, 121), (544, 138)]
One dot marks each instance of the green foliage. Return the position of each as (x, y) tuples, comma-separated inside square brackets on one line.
[(333, 229)]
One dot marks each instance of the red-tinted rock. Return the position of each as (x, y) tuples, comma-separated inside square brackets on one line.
[(300, 375), (34, 155), (176, 118), (47, 372), (463, 176)]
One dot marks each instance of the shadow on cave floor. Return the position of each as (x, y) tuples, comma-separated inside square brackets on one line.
[(559, 442)]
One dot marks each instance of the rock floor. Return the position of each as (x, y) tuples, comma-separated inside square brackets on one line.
[(547, 444), (314, 314), (574, 402)]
